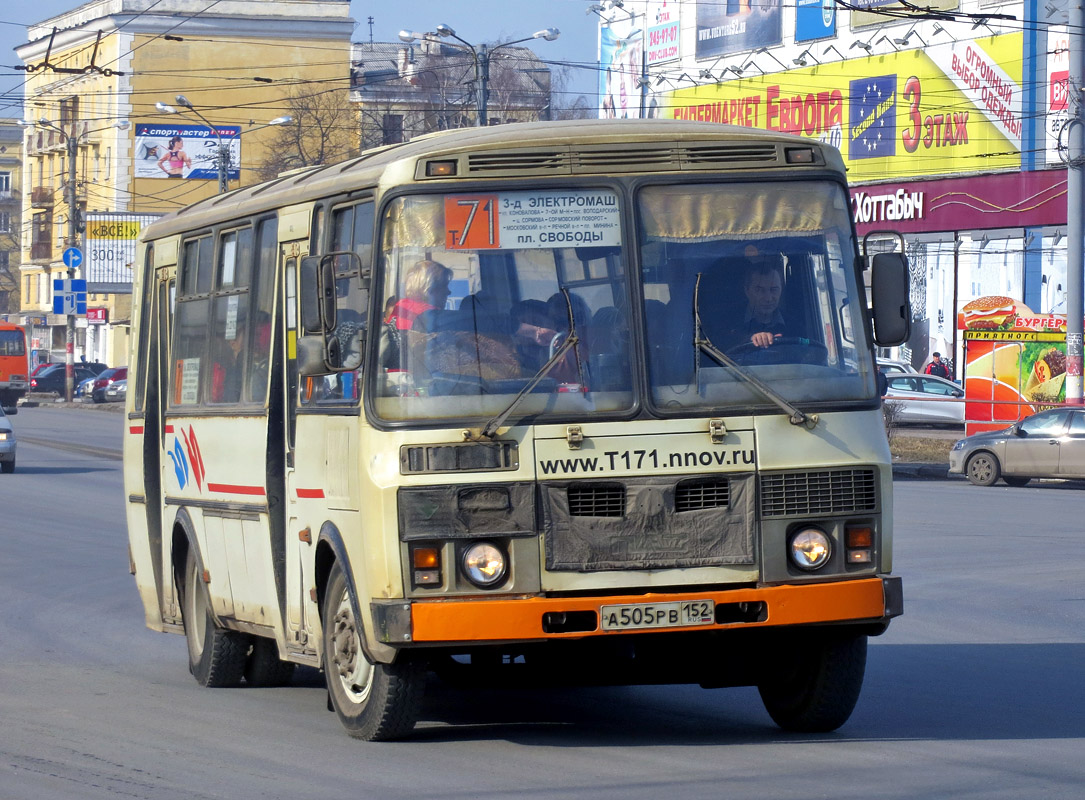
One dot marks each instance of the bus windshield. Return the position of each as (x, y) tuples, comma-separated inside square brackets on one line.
[(12, 343), (480, 292), (763, 273)]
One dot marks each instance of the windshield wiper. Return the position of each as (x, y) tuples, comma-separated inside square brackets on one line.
[(703, 343), (570, 343)]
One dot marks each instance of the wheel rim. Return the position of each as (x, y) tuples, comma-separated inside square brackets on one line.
[(196, 618), (349, 664), (982, 468)]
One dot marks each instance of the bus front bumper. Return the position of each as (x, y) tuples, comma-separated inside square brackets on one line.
[(527, 618)]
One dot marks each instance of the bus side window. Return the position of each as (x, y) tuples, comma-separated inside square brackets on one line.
[(192, 325), (263, 287)]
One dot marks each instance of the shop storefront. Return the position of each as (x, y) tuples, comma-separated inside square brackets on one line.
[(994, 234)]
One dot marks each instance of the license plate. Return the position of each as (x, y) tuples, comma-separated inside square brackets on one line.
[(677, 614)]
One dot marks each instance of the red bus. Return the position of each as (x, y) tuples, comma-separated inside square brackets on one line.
[(13, 364)]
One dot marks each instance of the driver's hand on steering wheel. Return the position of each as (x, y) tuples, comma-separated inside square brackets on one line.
[(764, 339)]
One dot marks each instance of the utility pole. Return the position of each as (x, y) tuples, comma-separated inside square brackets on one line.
[(1075, 197), (72, 142), (482, 79)]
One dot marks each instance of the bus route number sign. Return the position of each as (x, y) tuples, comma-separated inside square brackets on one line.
[(526, 220)]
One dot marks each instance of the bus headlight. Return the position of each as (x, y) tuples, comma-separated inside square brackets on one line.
[(484, 564), (810, 548)]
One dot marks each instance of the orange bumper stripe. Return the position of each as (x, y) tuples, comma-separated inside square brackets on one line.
[(505, 619)]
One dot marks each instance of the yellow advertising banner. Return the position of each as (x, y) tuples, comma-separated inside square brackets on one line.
[(898, 116), (114, 229)]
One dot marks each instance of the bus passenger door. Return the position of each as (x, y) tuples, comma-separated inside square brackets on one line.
[(301, 539), (156, 460)]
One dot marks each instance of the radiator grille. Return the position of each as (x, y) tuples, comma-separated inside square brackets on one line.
[(731, 154), (627, 158), (516, 161), (597, 500), (831, 491), (701, 494)]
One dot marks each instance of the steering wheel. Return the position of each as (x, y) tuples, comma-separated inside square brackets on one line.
[(784, 350)]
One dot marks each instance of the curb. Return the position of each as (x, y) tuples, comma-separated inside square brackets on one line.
[(922, 472)]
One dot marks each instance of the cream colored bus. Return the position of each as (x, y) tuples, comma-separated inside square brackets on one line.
[(589, 401)]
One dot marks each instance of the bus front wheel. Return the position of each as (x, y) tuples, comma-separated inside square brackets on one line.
[(815, 685), (216, 656), (375, 702)]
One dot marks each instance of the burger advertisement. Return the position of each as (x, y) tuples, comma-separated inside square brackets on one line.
[(1015, 360)]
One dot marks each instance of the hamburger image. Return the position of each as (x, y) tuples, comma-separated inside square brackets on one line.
[(991, 313)]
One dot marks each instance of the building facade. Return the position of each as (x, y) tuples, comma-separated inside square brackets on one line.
[(951, 123), (102, 145), (11, 137), (403, 90)]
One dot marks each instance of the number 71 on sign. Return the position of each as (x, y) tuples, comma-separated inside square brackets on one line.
[(471, 222)]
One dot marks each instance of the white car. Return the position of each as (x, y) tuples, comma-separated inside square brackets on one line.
[(889, 367), (7, 444), (925, 399)]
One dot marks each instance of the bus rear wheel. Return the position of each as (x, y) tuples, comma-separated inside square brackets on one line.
[(818, 688), (216, 656), (375, 702)]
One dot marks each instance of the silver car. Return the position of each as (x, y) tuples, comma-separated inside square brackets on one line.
[(7, 444), (1050, 444), (925, 399), (889, 366)]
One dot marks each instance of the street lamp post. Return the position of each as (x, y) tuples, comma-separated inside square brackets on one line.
[(71, 197), (222, 157), (481, 56)]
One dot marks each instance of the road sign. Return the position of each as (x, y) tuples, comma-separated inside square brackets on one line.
[(73, 257), (69, 297)]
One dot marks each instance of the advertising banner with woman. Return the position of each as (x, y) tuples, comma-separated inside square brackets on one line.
[(185, 152)]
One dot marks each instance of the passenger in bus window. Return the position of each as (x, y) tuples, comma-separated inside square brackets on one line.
[(425, 289), (261, 355), (228, 368)]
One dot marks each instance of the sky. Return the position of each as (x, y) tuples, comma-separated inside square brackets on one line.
[(476, 21)]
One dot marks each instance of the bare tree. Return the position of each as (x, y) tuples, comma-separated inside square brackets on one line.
[(323, 131)]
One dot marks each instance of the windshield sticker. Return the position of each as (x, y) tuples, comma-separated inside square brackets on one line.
[(532, 220)]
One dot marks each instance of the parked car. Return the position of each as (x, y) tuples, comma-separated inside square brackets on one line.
[(82, 389), (7, 444), (105, 380), (889, 367), (117, 391), (51, 379), (1050, 444), (925, 400)]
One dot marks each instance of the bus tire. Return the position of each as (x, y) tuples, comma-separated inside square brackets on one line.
[(375, 702), (264, 668), (818, 683), (216, 656), (983, 469)]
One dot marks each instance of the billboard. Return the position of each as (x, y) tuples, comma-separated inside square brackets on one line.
[(112, 239), (1058, 95), (814, 19), (663, 28), (620, 66), (882, 11), (945, 109), (730, 26), (187, 152)]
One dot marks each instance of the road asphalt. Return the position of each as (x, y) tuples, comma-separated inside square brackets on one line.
[(901, 471)]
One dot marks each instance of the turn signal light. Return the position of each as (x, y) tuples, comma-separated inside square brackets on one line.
[(426, 565), (440, 169), (859, 540)]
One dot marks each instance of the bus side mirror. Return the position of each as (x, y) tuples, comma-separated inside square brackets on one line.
[(890, 303), (317, 292), (310, 351)]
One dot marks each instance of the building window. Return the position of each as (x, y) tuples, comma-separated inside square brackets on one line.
[(5, 222), (393, 129), (5, 183)]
